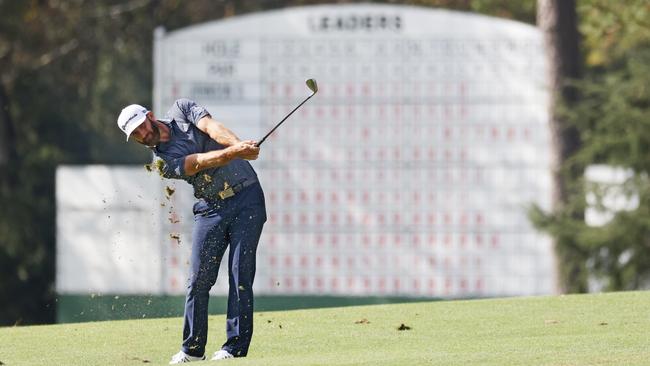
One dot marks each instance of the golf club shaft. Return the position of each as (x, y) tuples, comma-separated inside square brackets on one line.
[(284, 119)]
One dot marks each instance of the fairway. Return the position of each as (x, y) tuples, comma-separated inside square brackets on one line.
[(598, 329)]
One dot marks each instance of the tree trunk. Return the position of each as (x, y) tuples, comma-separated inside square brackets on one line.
[(7, 133), (557, 20)]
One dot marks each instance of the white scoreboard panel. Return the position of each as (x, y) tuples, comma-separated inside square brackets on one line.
[(410, 171)]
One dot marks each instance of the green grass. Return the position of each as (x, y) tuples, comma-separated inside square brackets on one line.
[(600, 329)]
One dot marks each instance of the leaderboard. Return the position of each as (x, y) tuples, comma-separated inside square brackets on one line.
[(409, 173)]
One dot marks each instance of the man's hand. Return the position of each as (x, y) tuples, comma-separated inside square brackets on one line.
[(246, 150)]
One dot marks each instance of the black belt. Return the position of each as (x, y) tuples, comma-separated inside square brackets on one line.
[(230, 191)]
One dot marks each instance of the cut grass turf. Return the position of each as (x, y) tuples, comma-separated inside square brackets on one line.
[(599, 329)]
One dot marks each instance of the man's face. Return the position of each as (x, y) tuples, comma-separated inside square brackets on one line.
[(147, 133)]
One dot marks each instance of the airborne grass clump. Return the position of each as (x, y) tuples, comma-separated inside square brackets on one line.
[(169, 191)]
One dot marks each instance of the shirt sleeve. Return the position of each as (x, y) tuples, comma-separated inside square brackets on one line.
[(169, 167), (187, 111)]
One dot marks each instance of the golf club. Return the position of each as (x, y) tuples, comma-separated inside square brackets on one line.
[(311, 84)]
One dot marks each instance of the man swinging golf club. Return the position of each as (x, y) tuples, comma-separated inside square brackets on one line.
[(230, 211)]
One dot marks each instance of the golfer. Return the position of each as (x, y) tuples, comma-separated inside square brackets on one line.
[(230, 211)]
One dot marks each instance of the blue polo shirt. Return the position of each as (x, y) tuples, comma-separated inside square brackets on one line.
[(186, 139)]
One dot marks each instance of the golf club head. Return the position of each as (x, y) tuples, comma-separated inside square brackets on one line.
[(311, 84)]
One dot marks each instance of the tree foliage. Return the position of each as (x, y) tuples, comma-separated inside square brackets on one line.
[(66, 67), (613, 118)]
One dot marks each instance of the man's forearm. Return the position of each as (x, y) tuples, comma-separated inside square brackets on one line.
[(217, 131), (196, 162), (223, 135)]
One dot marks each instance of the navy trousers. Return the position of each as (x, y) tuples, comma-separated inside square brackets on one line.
[(236, 222)]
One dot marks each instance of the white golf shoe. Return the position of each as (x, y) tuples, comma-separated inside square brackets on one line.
[(182, 357), (221, 355)]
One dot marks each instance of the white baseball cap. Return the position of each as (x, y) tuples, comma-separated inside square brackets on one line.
[(130, 118)]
